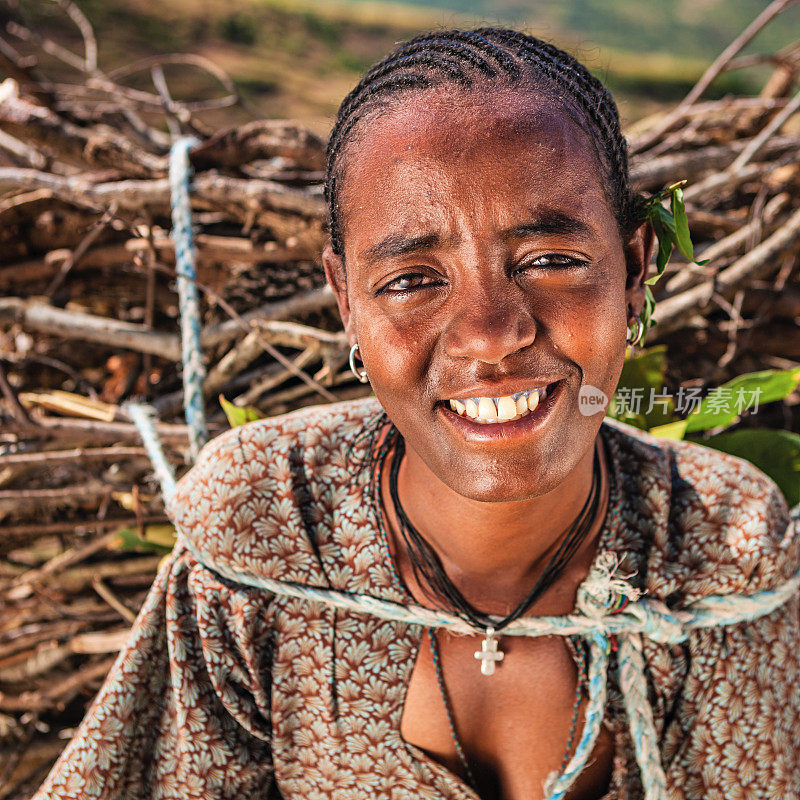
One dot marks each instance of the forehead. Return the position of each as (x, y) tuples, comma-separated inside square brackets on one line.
[(473, 149)]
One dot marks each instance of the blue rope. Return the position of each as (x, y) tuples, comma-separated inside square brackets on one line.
[(648, 616), (557, 785), (597, 620), (142, 417), (640, 717), (189, 304)]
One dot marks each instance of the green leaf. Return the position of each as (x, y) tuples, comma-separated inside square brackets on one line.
[(129, 539), (665, 243), (648, 321), (645, 369), (777, 453), (672, 430), (665, 218), (164, 535), (239, 415), (642, 375), (723, 406), (682, 237)]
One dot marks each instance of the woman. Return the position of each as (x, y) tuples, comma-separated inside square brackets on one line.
[(488, 262)]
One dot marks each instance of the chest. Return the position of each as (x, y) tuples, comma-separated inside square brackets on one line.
[(515, 727)]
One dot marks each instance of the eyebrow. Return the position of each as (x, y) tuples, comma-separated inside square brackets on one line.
[(549, 223), (397, 244)]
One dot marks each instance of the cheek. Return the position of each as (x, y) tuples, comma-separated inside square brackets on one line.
[(395, 346), (589, 328)]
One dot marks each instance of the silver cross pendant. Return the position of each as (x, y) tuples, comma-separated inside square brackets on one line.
[(489, 655)]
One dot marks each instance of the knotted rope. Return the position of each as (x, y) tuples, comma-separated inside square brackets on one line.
[(609, 609)]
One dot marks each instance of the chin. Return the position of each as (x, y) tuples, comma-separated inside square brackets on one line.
[(509, 479), (531, 469)]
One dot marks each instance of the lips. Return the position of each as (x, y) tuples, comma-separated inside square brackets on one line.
[(509, 432), (498, 410)]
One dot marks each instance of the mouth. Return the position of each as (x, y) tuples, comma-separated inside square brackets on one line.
[(501, 410)]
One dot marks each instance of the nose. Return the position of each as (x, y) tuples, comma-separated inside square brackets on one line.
[(487, 327)]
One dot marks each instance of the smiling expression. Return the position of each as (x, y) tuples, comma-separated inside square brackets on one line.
[(486, 281)]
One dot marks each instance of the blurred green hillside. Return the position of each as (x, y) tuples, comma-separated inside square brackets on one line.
[(692, 28), (298, 58)]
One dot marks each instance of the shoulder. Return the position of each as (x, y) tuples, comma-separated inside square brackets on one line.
[(256, 491), (714, 523)]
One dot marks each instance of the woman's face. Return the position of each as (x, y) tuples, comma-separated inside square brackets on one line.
[(483, 260)]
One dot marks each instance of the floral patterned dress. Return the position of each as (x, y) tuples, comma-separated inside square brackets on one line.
[(225, 691)]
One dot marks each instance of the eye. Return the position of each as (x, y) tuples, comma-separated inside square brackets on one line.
[(553, 261), (404, 284)]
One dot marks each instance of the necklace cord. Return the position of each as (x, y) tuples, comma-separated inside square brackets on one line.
[(431, 576)]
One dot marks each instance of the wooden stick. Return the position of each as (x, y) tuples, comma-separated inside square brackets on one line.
[(91, 237), (101, 330), (45, 700), (48, 427), (78, 578), (100, 642), (759, 260), (49, 458), (133, 195), (77, 492), (653, 173), (17, 409), (301, 303), (113, 600), (73, 555), (260, 140), (133, 336), (738, 44), (252, 395), (85, 28), (769, 131), (693, 273), (717, 67), (30, 530), (716, 182)]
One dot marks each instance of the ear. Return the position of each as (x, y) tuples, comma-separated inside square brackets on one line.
[(337, 280), (638, 250)]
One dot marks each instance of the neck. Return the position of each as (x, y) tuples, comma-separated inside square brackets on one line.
[(494, 552)]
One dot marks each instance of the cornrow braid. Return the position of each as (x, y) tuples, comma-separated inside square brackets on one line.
[(593, 99), (490, 55)]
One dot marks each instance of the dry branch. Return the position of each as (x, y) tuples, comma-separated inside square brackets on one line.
[(89, 307)]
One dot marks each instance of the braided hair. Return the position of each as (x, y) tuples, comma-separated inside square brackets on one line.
[(464, 58)]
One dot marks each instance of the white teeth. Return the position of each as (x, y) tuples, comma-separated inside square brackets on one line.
[(487, 409), (490, 410), (506, 409)]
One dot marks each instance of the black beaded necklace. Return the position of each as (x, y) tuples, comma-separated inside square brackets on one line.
[(432, 577), (430, 573), (381, 438)]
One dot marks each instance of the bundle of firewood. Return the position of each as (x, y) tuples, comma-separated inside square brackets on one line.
[(88, 320)]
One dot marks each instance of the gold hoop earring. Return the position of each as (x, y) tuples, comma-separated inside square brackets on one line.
[(361, 374), (637, 337)]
